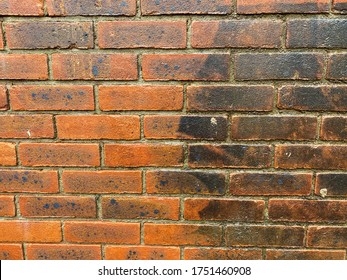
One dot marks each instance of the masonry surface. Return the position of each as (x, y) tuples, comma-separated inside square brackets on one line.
[(173, 129)]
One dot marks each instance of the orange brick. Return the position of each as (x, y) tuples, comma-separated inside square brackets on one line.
[(17, 8), (7, 154), (222, 254), (11, 252), (141, 253), (7, 207)]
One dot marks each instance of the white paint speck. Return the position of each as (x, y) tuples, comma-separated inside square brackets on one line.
[(213, 121), (323, 192)]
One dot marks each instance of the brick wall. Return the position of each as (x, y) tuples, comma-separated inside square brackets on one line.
[(173, 129)]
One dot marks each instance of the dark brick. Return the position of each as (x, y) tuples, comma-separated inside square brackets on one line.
[(340, 6), (337, 67), (331, 184), (334, 128), (305, 255), (327, 237), (222, 254)]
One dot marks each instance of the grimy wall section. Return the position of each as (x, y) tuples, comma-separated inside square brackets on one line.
[(173, 129)]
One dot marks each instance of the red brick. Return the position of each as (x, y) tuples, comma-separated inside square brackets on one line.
[(30, 231), (63, 252), (59, 154), (49, 98), (224, 210), (142, 34), (28, 181), (3, 99), (182, 234), (327, 237), (337, 69), (21, 67), (236, 34), (11, 252), (222, 254), (98, 127), (102, 181), (305, 255), (185, 67), (1, 39), (57, 206), (7, 154), (17, 8), (334, 128), (340, 6), (141, 253), (102, 232), (26, 126), (331, 184), (94, 66), (49, 35), (137, 155), (7, 207), (138, 98)]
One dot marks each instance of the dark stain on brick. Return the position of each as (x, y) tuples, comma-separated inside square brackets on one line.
[(335, 183)]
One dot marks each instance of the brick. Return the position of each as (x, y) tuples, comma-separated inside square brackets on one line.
[(1, 39), (337, 67), (230, 98), (59, 154), (140, 208), (102, 232), (224, 210), (26, 126), (98, 127), (236, 34), (94, 66), (11, 252), (16, 8), (279, 66), (57, 206), (311, 157), (30, 231), (185, 182), (142, 34), (49, 98), (305, 255), (21, 67), (102, 181), (185, 127), (264, 236), (317, 33), (270, 183), (63, 252), (138, 98), (340, 6), (186, 67), (331, 184), (8, 154), (137, 155), (168, 7), (334, 128), (262, 127), (28, 181), (142, 253), (229, 156), (284, 6), (182, 234), (7, 207), (332, 211), (3, 99), (49, 35), (90, 8), (327, 237), (222, 254), (318, 98)]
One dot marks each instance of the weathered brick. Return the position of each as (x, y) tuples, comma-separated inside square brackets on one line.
[(327, 237), (337, 67), (94, 66), (224, 210), (137, 155), (331, 184), (102, 232), (185, 67), (140, 208), (264, 236), (229, 156), (132, 97), (340, 6), (17, 8), (7, 154), (142, 34), (167, 7), (1, 38), (51, 97), (230, 98), (142, 253), (334, 128), (270, 183), (102, 181), (63, 252), (311, 157), (28, 181), (222, 254), (279, 66), (305, 255), (186, 127), (91, 8), (59, 154), (98, 127), (49, 35), (332, 211), (21, 67), (57, 206), (182, 234), (7, 207), (3, 98), (11, 252), (262, 127), (185, 182), (236, 34)]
